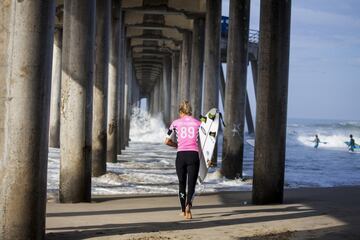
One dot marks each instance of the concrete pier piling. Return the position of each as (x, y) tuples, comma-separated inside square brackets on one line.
[(167, 88), (113, 81), (197, 66), (26, 36), (127, 96), (235, 91), (103, 34), (272, 91), (185, 66), (76, 100), (121, 84), (212, 59), (174, 85), (54, 140)]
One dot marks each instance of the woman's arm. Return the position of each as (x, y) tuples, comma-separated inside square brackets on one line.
[(170, 143)]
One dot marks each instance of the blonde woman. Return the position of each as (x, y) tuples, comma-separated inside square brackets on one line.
[(186, 129)]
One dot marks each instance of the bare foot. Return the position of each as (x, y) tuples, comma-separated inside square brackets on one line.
[(188, 212), (182, 214)]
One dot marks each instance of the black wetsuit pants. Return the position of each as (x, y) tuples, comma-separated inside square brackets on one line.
[(187, 169)]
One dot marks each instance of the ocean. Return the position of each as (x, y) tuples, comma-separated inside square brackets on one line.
[(147, 166)]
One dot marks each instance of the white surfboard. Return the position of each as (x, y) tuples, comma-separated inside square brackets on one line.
[(208, 135)]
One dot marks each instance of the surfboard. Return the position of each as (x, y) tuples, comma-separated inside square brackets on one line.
[(208, 135), (356, 147)]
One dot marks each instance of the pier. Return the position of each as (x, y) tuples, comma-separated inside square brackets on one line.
[(72, 70)]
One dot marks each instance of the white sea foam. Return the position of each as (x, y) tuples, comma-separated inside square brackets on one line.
[(147, 166), (332, 141), (145, 127)]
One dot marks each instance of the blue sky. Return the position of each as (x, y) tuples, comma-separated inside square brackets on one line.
[(324, 76)]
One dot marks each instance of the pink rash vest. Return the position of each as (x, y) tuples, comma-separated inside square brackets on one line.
[(187, 133)]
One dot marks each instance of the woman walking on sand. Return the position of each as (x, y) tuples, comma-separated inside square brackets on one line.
[(186, 130)]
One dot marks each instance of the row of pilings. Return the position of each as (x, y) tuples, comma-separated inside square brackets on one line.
[(92, 70)]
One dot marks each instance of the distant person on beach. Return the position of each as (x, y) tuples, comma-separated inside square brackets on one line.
[(316, 141), (186, 130), (351, 143)]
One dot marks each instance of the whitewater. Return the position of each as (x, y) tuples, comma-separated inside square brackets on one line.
[(147, 166)]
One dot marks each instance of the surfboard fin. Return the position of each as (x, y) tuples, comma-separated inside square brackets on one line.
[(203, 118), (212, 134), (211, 116)]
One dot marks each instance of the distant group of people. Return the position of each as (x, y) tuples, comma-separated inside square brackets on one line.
[(351, 144)]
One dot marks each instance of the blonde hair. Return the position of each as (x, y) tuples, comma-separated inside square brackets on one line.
[(185, 108)]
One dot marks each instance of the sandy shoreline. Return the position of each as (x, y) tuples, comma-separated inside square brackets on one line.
[(307, 213)]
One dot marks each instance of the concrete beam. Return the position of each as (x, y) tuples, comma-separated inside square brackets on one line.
[(151, 48), (163, 10), (151, 53), (151, 37), (155, 26), (158, 65), (147, 60), (141, 69)]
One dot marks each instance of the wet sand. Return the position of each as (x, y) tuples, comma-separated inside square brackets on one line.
[(307, 213)]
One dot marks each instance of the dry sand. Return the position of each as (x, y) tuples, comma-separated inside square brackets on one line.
[(312, 213)]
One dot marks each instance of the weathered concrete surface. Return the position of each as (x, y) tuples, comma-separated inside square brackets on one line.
[(212, 59), (174, 85), (212, 55), (121, 85), (271, 111), (185, 67), (197, 66), (54, 140), (127, 96), (113, 88), (235, 91), (317, 213), (167, 88), (103, 34), (26, 44), (76, 100)]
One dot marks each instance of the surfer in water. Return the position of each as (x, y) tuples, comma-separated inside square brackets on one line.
[(351, 143), (186, 130), (316, 141)]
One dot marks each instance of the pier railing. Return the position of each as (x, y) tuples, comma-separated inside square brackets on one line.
[(253, 34)]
